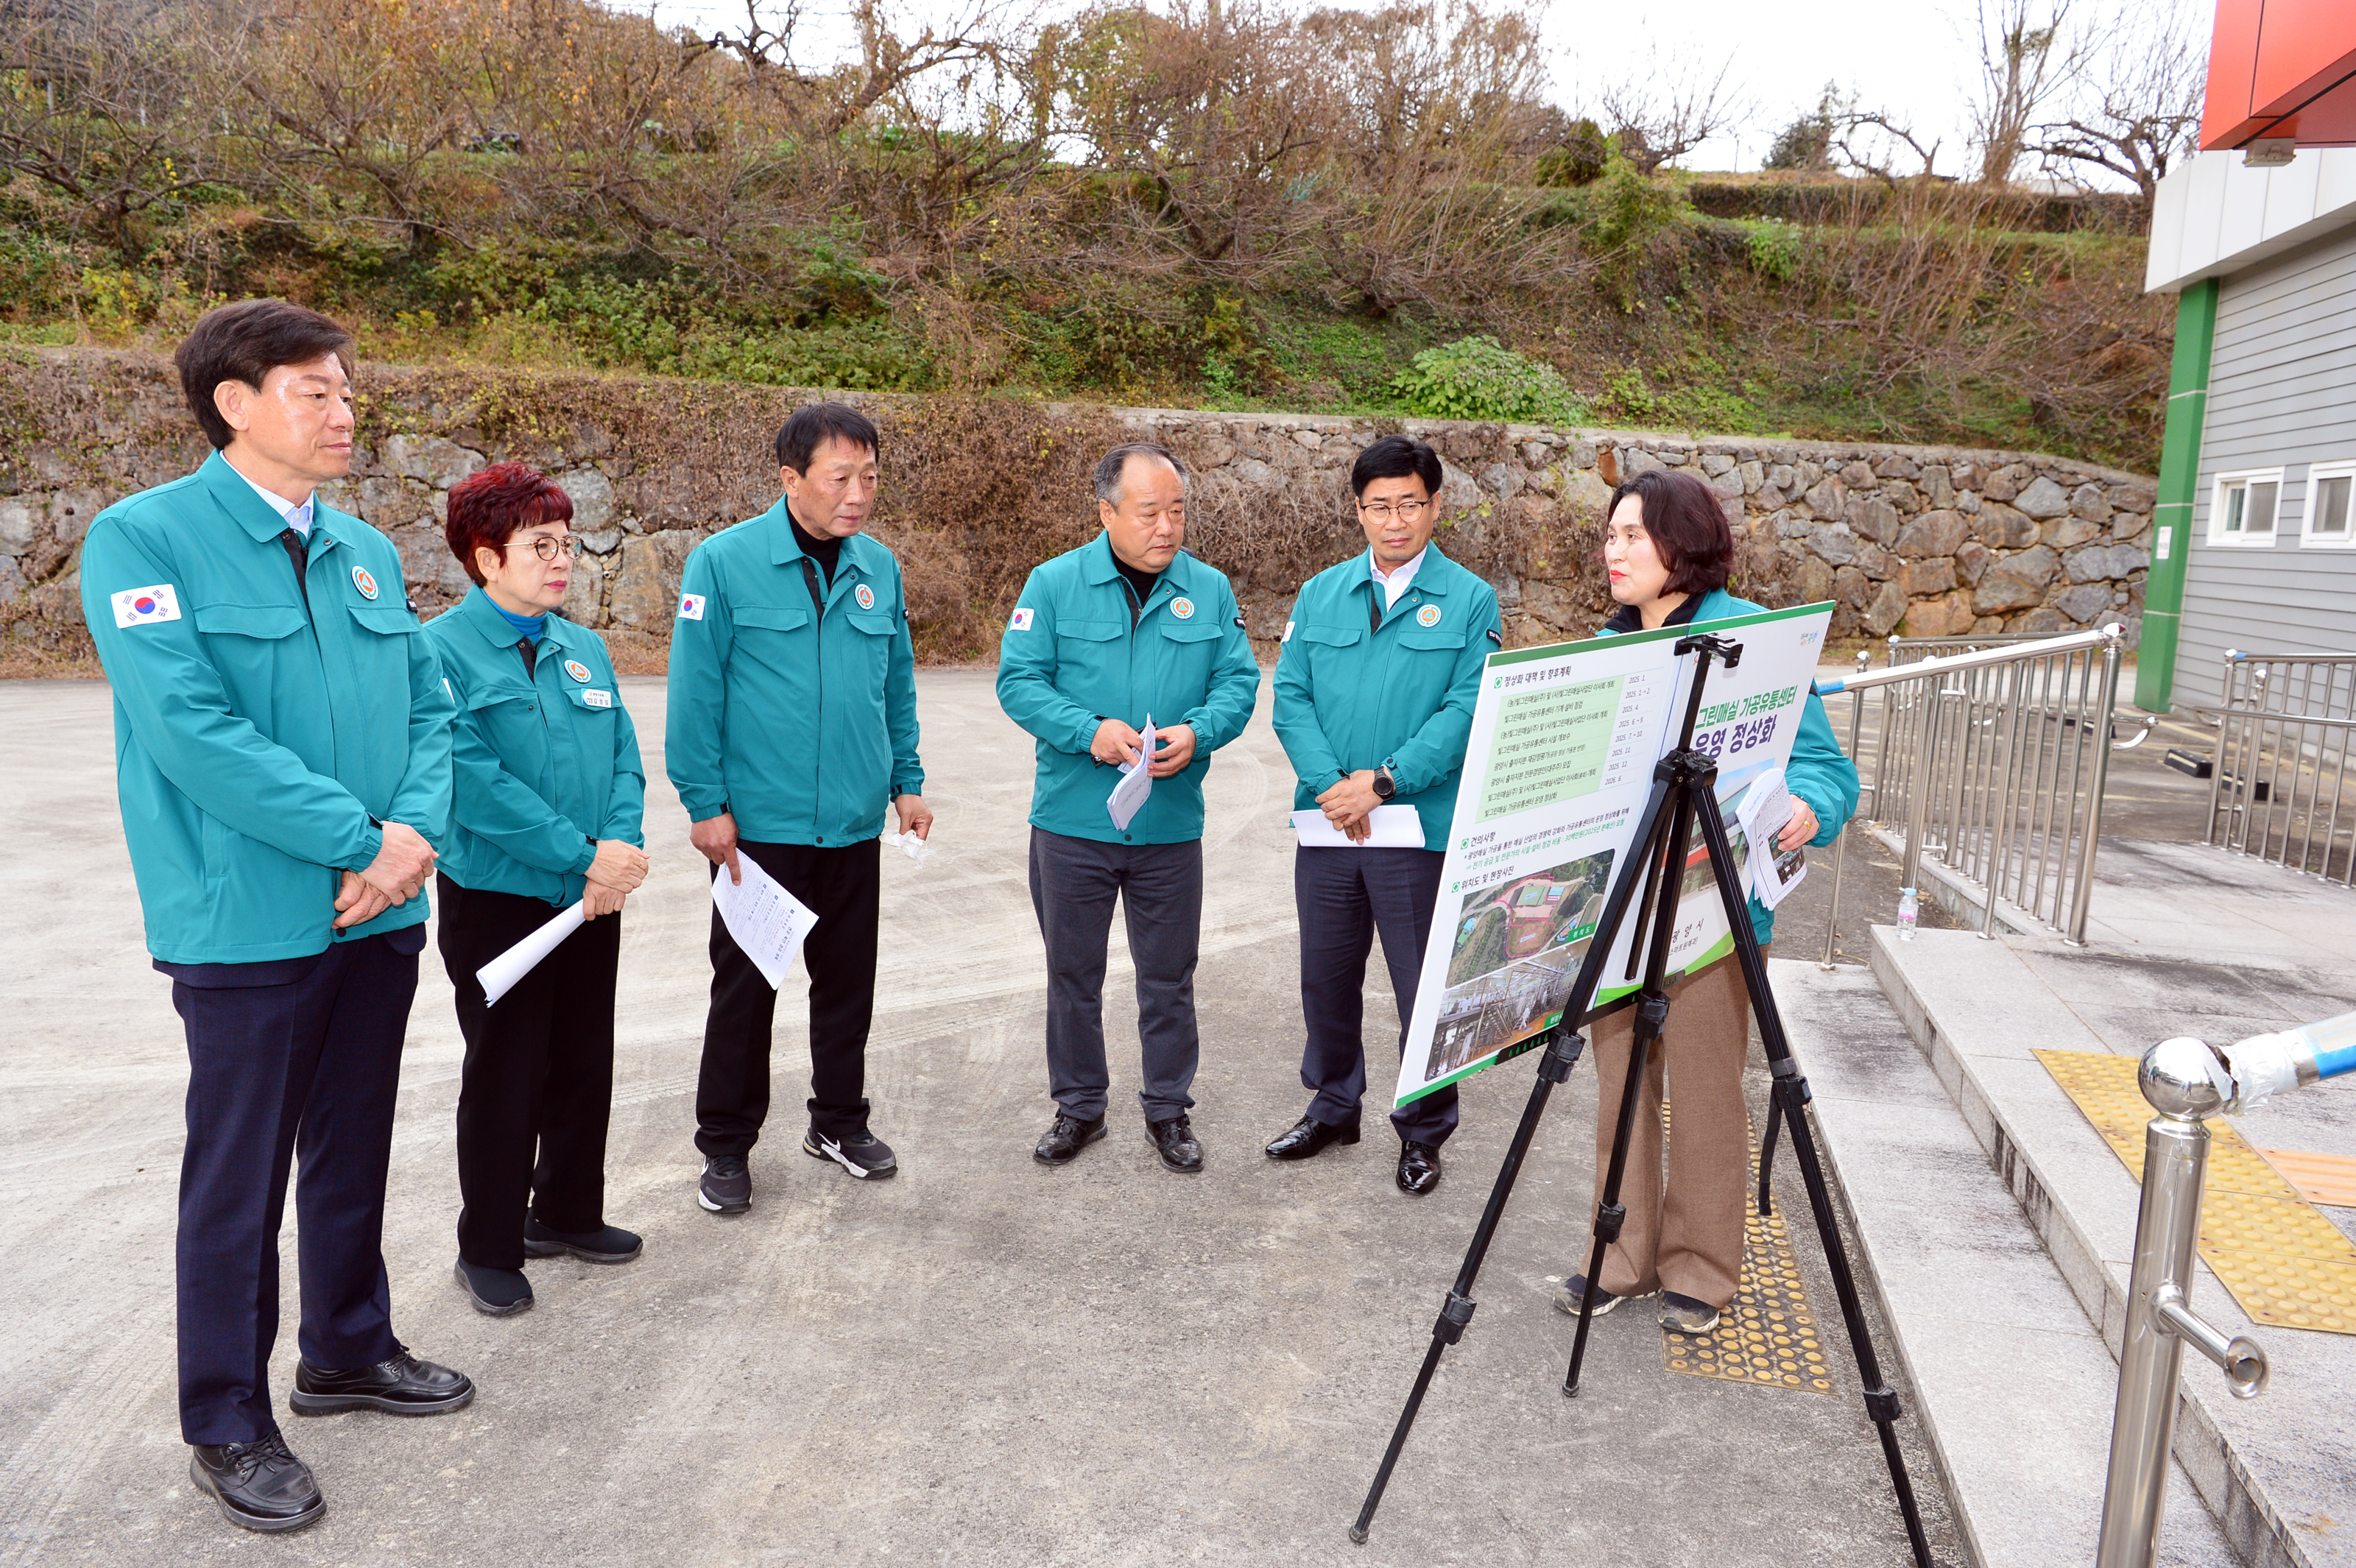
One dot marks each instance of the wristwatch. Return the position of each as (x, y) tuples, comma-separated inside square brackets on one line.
[(1385, 786)]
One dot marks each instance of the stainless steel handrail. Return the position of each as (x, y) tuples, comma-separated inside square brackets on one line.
[(1995, 758), (2187, 1082), (2280, 776)]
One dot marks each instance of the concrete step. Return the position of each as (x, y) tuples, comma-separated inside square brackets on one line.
[(2014, 1386), (2278, 1471)]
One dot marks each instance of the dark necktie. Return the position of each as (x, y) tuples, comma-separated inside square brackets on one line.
[(298, 551)]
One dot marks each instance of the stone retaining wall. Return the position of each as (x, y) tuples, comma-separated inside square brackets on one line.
[(1916, 541)]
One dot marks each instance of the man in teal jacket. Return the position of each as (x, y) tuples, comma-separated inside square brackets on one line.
[(1128, 628), (1374, 688), (792, 722), (282, 754)]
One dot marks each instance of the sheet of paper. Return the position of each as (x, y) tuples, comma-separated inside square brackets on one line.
[(1766, 807), (1128, 795), (1395, 827), (767, 921), (500, 976)]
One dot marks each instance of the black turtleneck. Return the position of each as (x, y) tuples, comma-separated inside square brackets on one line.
[(825, 551), (1141, 582), (1631, 619)]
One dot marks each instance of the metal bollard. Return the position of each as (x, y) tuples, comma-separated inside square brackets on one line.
[(2186, 1081)]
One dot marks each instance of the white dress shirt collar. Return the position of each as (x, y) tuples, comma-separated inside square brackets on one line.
[(1397, 582), (298, 517)]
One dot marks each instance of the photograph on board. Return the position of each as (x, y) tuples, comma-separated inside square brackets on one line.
[(1516, 949)]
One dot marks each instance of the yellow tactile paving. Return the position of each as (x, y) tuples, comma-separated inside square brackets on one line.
[(2320, 1178), (2284, 1262), (1767, 1336)]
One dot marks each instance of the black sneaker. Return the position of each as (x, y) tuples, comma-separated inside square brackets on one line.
[(1175, 1142), (1066, 1139), (727, 1185), (258, 1485), (606, 1244), (862, 1154), (1567, 1299), (496, 1292)]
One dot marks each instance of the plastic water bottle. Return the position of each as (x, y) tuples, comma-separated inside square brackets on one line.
[(1909, 905)]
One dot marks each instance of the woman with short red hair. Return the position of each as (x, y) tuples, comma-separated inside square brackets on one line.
[(547, 802)]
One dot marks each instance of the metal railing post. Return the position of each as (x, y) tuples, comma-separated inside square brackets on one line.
[(1840, 844), (2082, 895), (2186, 1081), (1918, 788)]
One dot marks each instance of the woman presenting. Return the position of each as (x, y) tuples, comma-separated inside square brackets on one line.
[(549, 795), (1667, 547)]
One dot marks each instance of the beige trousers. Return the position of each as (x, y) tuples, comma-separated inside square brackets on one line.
[(1686, 1236)]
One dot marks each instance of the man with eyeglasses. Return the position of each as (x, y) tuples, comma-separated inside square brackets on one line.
[(1375, 685), (792, 723)]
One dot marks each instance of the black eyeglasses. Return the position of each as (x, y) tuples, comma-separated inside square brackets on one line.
[(547, 549)]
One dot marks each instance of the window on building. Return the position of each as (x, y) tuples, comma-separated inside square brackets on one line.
[(2330, 505), (2242, 510)]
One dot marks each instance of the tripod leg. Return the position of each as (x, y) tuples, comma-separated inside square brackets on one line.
[(1562, 1054), (1667, 857), (1767, 1162), (1788, 1107), (1652, 1012)]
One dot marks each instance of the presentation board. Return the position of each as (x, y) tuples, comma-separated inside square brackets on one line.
[(1557, 772)]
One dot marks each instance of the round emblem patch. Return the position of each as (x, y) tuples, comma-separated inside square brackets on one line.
[(144, 604), (1428, 616), (1183, 608), (364, 582), (577, 670), (865, 595)]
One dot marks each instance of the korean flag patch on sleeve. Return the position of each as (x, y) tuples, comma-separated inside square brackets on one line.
[(690, 606), (1021, 620), (146, 606), (1497, 636)]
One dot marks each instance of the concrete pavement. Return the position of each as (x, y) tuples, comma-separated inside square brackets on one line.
[(980, 1362)]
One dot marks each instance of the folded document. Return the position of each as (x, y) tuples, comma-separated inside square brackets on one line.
[(1395, 827)]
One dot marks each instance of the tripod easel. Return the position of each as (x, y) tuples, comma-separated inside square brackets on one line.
[(1683, 796)]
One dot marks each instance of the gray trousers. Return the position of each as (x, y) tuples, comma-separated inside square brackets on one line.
[(1073, 884)]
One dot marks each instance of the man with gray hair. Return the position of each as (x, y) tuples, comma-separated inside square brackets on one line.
[(1127, 629)]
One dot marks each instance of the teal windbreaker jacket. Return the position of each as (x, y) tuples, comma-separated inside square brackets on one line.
[(1074, 655), (263, 729), (543, 764), (1358, 685), (792, 703), (1819, 773)]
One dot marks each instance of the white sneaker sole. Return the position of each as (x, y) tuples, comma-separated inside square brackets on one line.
[(824, 1150)]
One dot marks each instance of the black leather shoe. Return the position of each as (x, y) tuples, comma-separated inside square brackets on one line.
[(259, 1485), (401, 1386), (495, 1292), (606, 1244), (1174, 1141), (1419, 1170), (1066, 1139), (1309, 1136)]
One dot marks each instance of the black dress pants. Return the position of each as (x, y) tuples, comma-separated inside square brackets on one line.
[(1345, 897), (294, 1059), (843, 887), (537, 1085)]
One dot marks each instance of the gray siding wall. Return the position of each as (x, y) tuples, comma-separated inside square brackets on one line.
[(2282, 393)]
